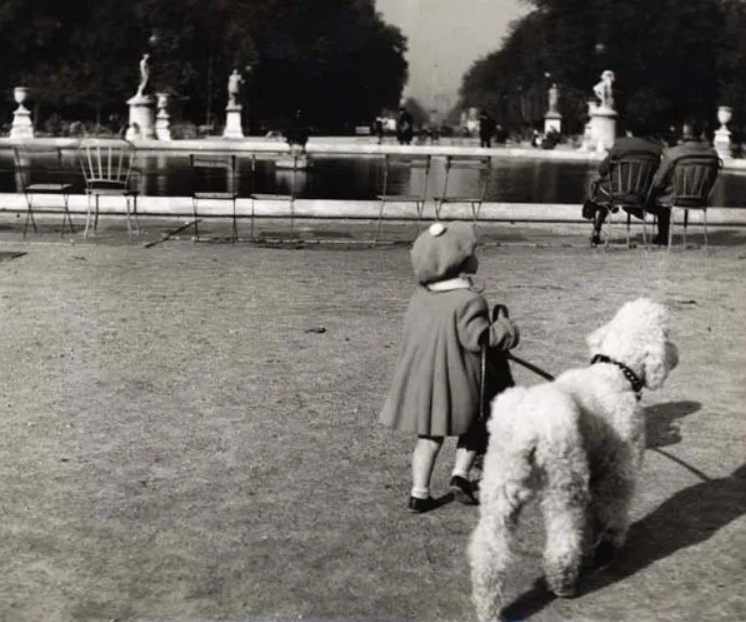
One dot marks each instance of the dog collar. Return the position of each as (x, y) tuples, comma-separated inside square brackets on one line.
[(631, 376)]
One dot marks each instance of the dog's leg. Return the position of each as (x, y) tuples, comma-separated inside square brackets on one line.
[(564, 505), (490, 550), (611, 498)]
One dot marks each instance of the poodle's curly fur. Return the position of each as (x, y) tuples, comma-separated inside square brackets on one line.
[(578, 441)]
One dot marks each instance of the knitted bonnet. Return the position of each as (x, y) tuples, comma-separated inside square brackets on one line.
[(440, 251)]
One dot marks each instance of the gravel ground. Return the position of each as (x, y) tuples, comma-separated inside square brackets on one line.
[(189, 432)]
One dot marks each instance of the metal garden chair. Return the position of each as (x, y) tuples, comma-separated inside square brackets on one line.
[(39, 170), (482, 166), (215, 176), (630, 180), (108, 168), (693, 180), (404, 162)]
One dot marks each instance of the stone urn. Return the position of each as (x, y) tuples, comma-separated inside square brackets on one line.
[(20, 94), (163, 118), (21, 127), (722, 135)]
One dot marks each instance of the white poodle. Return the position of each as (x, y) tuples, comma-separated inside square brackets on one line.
[(579, 442)]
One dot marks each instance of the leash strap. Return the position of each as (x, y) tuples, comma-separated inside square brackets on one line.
[(482, 380)]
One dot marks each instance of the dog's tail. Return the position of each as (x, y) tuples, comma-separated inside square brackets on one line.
[(535, 442)]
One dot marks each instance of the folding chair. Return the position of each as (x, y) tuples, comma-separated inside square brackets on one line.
[(397, 163), (296, 162), (693, 180), (629, 184), (107, 166), (39, 170), (214, 180), (482, 166)]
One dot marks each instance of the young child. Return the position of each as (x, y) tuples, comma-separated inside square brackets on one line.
[(436, 385)]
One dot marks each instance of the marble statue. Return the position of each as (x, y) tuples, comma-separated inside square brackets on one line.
[(144, 74), (234, 87), (604, 91), (553, 98)]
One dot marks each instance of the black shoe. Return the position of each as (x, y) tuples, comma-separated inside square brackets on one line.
[(604, 554), (596, 240), (660, 240), (463, 491), (419, 506)]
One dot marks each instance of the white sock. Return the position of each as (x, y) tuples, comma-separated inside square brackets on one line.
[(464, 474), (420, 493)]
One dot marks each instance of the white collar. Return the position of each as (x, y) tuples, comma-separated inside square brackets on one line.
[(460, 282)]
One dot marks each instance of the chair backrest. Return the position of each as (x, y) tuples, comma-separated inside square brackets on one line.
[(481, 164), (217, 170), (631, 177), (38, 161), (106, 163), (693, 179), (406, 161), (473, 163)]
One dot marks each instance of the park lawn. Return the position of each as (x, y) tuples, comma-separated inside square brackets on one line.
[(189, 432)]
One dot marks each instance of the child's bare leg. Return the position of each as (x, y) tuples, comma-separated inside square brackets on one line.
[(460, 485), (423, 459)]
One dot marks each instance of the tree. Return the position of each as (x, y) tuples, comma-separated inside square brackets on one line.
[(671, 59), (336, 59)]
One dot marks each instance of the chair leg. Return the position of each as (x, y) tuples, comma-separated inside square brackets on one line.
[(251, 225), (629, 230), (235, 224), (380, 221), (29, 216), (66, 214), (686, 224), (704, 227), (87, 217), (95, 216), (134, 213), (127, 214), (194, 209), (670, 229)]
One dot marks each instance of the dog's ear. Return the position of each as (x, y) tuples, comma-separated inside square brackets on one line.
[(660, 358), (596, 338)]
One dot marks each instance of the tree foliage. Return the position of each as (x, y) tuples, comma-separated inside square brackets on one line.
[(334, 59), (671, 59)]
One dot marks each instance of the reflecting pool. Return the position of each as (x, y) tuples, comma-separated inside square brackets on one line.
[(511, 179)]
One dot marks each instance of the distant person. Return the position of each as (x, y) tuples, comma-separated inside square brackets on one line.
[(404, 127), (501, 135), (636, 141), (662, 192), (378, 127), (486, 129), (297, 134)]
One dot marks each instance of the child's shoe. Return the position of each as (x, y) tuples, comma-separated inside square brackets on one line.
[(419, 506), (462, 490)]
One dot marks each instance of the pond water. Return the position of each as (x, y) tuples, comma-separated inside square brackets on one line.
[(514, 180)]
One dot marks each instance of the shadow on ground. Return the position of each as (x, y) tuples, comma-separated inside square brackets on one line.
[(689, 517)]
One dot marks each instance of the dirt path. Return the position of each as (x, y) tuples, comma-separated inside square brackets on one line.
[(181, 440)]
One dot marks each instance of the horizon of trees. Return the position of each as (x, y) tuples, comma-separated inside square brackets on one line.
[(671, 60), (336, 60)]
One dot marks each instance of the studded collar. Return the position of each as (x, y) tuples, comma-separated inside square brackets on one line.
[(631, 376)]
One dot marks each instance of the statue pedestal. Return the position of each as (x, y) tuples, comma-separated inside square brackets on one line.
[(22, 128), (142, 117), (553, 122), (603, 127), (233, 127), (722, 143)]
